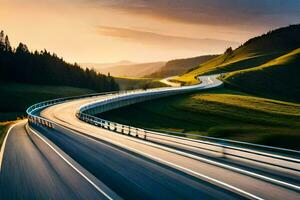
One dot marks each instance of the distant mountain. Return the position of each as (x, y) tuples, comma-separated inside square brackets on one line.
[(149, 70), (126, 69), (266, 57), (100, 66), (179, 66)]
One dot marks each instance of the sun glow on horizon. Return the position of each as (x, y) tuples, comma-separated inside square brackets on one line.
[(89, 31)]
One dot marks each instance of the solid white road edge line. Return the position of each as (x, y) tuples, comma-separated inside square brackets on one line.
[(207, 178), (70, 164), (235, 169), (4, 143)]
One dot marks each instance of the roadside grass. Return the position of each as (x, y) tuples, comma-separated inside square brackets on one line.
[(15, 98), (3, 129), (220, 113)]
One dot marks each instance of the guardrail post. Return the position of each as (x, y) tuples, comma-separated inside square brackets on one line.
[(108, 125), (223, 150), (116, 128), (137, 133), (122, 129)]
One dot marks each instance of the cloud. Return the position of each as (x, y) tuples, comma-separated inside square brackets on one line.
[(166, 41), (213, 12)]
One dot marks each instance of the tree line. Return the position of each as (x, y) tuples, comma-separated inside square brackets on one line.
[(21, 65)]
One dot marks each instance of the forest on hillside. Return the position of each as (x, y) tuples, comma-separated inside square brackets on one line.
[(45, 68)]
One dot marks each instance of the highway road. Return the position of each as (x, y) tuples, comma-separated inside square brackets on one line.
[(119, 166)]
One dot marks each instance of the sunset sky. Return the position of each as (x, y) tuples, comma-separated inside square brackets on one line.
[(140, 30)]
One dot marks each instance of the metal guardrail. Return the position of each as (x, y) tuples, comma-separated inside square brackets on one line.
[(37, 120), (135, 96)]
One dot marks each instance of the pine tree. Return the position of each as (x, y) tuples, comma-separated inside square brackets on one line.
[(2, 41), (229, 51), (22, 48), (7, 44), (1, 36)]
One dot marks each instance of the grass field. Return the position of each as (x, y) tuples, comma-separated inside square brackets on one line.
[(15, 98), (221, 113)]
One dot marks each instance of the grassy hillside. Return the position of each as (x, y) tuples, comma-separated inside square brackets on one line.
[(220, 113), (278, 78), (253, 53), (179, 66), (136, 70), (15, 98), (126, 83)]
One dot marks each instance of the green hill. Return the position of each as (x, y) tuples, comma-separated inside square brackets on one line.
[(278, 78), (179, 66), (253, 53)]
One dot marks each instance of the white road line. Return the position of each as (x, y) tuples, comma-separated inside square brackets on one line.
[(71, 165), (235, 169), (4, 143), (207, 178)]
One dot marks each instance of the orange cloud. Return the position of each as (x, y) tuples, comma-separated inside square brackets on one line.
[(167, 41)]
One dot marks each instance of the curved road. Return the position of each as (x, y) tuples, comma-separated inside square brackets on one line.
[(170, 83), (121, 166)]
